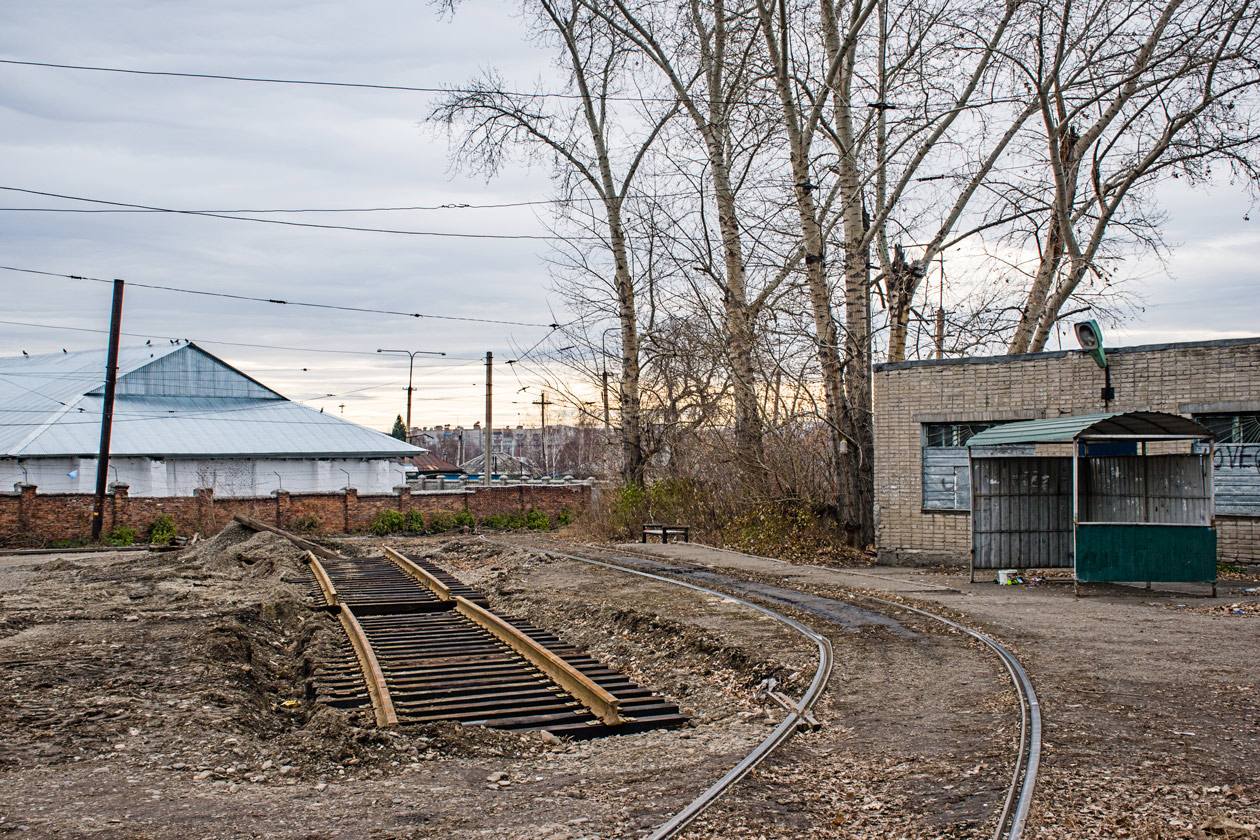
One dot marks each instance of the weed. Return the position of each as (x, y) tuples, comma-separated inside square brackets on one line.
[(161, 529), (564, 517), (441, 523), (387, 522), (414, 521), (464, 519), (536, 520), (121, 535)]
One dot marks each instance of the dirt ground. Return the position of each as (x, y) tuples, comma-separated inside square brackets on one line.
[(170, 695)]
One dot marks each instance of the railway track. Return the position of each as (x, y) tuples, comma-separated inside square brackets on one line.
[(424, 647), (1012, 816)]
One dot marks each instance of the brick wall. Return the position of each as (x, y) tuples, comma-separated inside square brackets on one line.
[(1220, 376), (30, 518)]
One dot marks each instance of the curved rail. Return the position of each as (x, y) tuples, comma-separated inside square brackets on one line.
[(1014, 814), (1010, 822), (1029, 758), (373, 677), (784, 731)]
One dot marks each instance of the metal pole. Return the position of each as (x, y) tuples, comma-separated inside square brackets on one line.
[(107, 414), (607, 423), (489, 462), (410, 365)]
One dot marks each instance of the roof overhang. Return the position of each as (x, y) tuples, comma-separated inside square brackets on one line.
[(1126, 425)]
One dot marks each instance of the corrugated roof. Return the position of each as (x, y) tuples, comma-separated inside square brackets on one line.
[(194, 406), (1155, 424), (428, 462)]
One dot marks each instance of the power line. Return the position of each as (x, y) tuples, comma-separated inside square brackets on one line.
[(317, 83), (232, 343), (280, 301), (456, 205), (314, 225)]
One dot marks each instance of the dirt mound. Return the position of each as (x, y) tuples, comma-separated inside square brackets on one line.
[(236, 546)]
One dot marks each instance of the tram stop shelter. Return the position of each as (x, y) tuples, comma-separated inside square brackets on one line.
[(1114, 497)]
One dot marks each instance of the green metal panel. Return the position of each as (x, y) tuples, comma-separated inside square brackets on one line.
[(1052, 430), (1168, 554), (1130, 424)]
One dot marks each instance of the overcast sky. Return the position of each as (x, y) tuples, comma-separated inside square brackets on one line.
[(221, 145)]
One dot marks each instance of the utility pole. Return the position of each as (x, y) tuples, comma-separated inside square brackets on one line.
[(489, 461), (107, 413), (543, 403), (411, 364)]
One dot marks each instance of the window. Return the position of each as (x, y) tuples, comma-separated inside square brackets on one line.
[(952, 434), (946, 476), (1233, 428)]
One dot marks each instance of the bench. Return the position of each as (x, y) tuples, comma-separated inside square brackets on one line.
[(664, 531)]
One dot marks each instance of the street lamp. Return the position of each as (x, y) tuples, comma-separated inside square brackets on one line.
[(411, 355)]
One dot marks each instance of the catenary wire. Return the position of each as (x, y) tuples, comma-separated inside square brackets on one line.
[(280, 301), (315, 225)]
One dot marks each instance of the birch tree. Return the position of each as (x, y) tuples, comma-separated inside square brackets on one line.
[(592, 150), (1128, 94)]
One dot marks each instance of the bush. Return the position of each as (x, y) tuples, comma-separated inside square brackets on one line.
[(442, 522), (414, 521), (464, 519), (387, 522), (161, 529), (565, 517), (536, 520), (121, 535), (307, 524)]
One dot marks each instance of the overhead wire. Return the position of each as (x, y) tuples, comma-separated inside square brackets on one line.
[(287, 223), (357, 85), (280, 301)]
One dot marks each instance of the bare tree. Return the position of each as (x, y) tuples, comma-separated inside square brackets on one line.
[(592, 151), (1129, 93)]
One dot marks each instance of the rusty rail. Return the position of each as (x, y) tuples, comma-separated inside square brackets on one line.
[(378, 691), (582, 688)]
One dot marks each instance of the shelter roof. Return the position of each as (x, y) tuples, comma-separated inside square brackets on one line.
[(171, 401), (1131, 425)]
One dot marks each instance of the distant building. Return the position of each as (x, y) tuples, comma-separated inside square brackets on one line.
[(183, 419), (569, 449)]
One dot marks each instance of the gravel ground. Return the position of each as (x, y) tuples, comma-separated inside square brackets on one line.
[(168, 695)]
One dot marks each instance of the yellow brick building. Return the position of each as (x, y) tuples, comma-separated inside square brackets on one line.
[(926, 410)]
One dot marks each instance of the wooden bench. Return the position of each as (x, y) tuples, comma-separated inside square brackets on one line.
[(664, 531)]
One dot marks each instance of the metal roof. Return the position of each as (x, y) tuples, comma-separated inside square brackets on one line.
[(1135, 425), (173, 401)]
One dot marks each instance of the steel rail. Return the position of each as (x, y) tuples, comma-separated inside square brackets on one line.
[(582, 688), (781, 734), (321, 577), (1028, 760), (373, 676)]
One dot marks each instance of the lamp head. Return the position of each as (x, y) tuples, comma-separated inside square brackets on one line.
[(1089, 336)]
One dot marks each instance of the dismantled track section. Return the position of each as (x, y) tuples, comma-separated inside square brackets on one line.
[(428, 648)]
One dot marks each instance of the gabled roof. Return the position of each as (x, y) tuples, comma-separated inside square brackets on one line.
[(170, 401), (1152, 425)]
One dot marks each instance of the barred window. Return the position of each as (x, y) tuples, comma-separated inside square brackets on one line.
[(1233, 428), (952, 434)]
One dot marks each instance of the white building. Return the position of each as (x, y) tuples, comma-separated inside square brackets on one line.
[(183, 419)]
